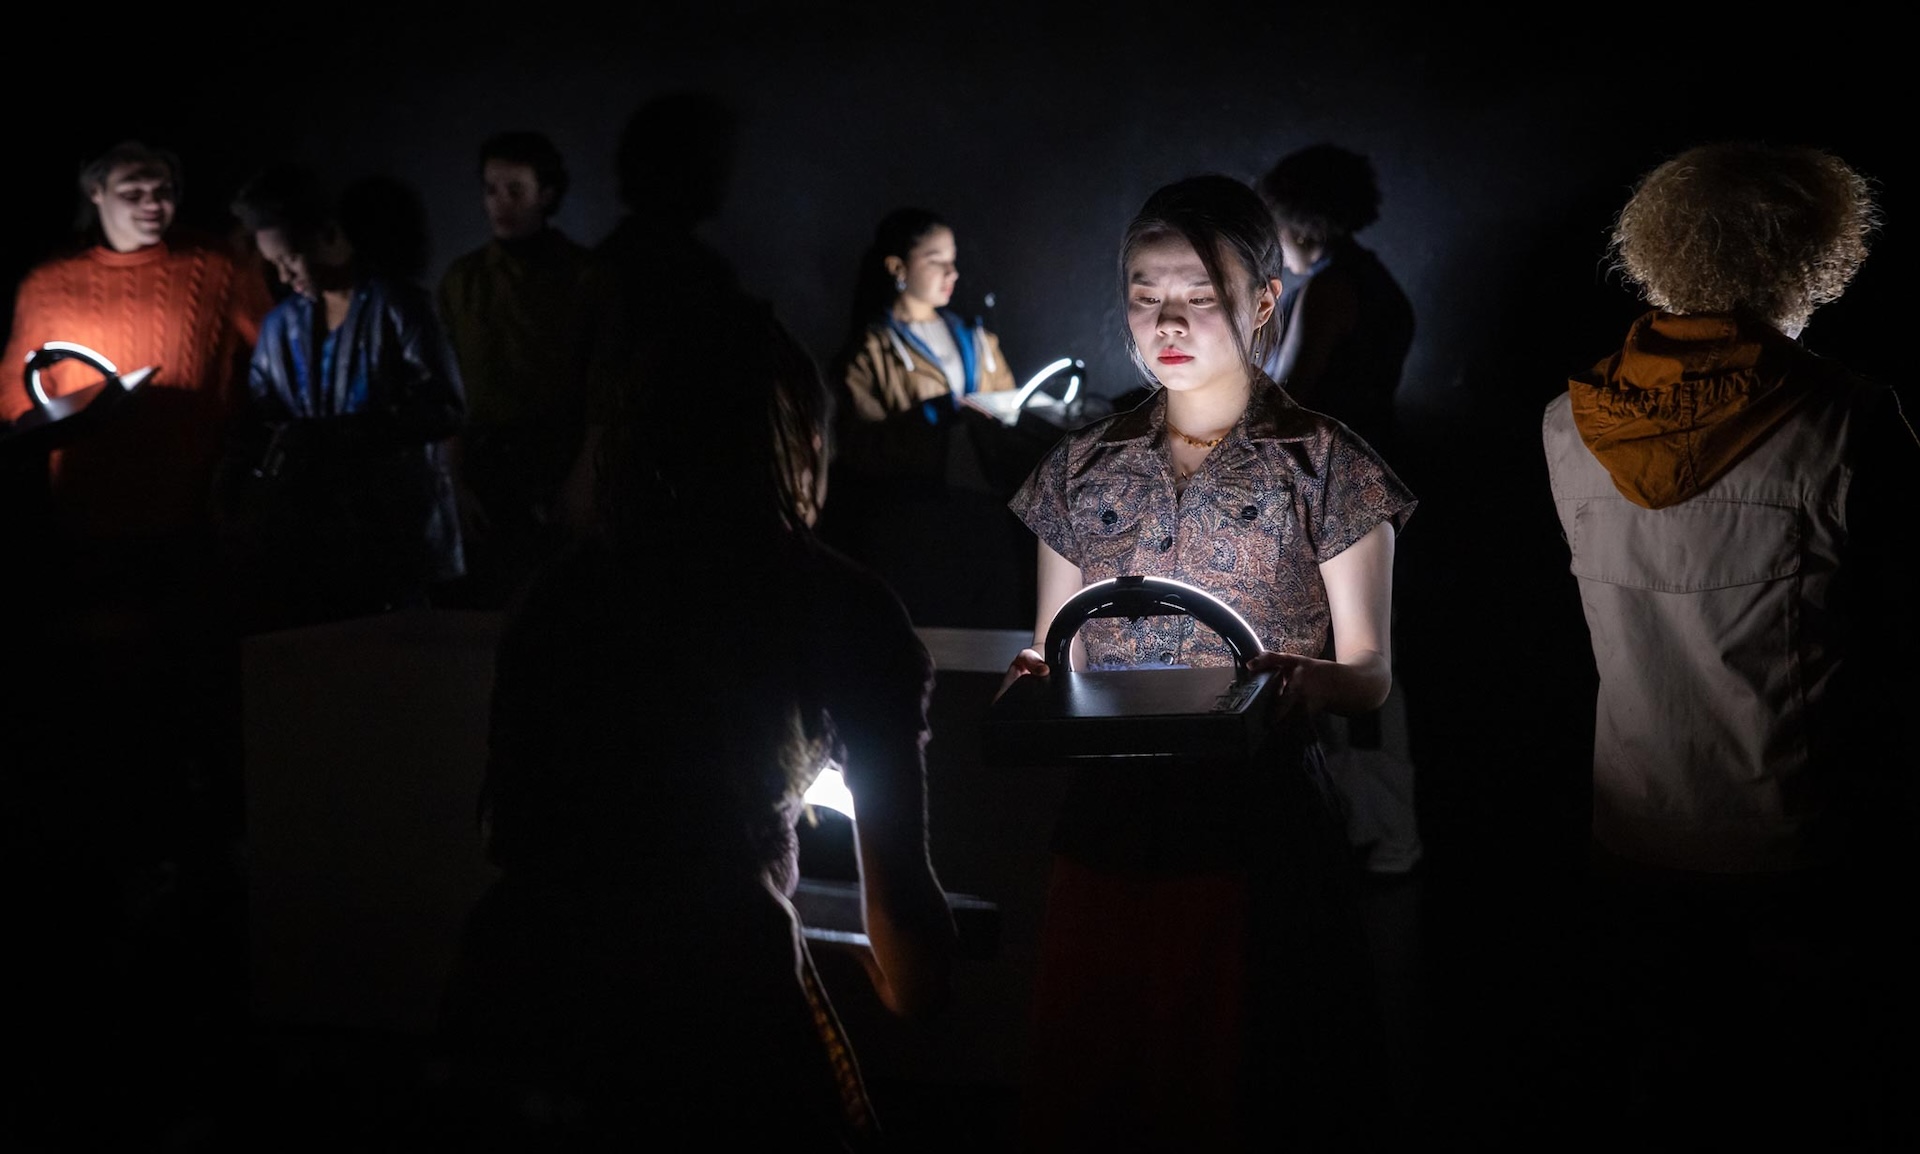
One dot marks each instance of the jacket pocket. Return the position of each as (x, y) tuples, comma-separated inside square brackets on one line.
[(1688, 548)]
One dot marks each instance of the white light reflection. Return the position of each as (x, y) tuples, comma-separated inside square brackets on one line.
[(1027, 390), (830, 790), (33, 378)]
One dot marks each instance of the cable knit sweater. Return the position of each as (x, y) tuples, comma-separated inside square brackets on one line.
[(186, 306)]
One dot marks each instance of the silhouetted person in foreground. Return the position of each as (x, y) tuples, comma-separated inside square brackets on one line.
[(658, 715), (1737, 510)]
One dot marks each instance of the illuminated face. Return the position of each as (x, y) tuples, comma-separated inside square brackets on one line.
[(136, 204), (1293, 253), (931, 269), (517, 206), (278, 250), (321, 265), (1179, 320)]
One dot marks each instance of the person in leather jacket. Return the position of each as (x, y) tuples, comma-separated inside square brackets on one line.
[(350, 506)]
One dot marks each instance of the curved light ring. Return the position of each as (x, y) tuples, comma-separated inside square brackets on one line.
[(1102, 595), (83, 352), (1073, 389), (1033, 384)]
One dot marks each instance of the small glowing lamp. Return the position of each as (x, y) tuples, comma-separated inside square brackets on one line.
[(830, 790)]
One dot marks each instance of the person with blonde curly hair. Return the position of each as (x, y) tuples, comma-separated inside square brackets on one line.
[(1732, 503), (1771, 232)]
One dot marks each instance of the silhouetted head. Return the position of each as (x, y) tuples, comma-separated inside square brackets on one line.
[(1217, 226), (737, 444), (912, 254), (291, 198), (1319, 195), (129, 195), (386, 220), (1769, 231), (675, 158), (523, 180)]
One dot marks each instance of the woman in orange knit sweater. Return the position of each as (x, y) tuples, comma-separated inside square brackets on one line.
[(119, 635), (139, 294)]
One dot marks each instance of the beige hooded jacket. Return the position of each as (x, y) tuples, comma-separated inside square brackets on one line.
[(1701, 478)]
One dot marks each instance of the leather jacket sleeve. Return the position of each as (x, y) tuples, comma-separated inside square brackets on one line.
[(423, 399)]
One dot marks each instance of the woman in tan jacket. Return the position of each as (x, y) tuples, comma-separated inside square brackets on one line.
[(916, 492), (911, 357)]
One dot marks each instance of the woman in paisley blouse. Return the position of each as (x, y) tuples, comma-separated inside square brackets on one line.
[(1201, 982)]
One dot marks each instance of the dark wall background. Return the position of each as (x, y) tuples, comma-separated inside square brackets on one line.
[(1502, 150)]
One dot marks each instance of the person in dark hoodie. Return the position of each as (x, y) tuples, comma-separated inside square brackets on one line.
[(1345, 324), (1732, 501)]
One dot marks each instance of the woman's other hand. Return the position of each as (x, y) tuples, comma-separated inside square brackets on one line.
[(1027, 663), (1315, 686), (1293, 676)]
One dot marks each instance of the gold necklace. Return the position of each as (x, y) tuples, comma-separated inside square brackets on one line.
[(1195, 441)]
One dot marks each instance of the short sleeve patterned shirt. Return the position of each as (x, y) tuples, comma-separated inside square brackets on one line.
[(1285, 491)]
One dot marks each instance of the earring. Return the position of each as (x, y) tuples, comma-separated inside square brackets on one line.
[(900, 284)]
